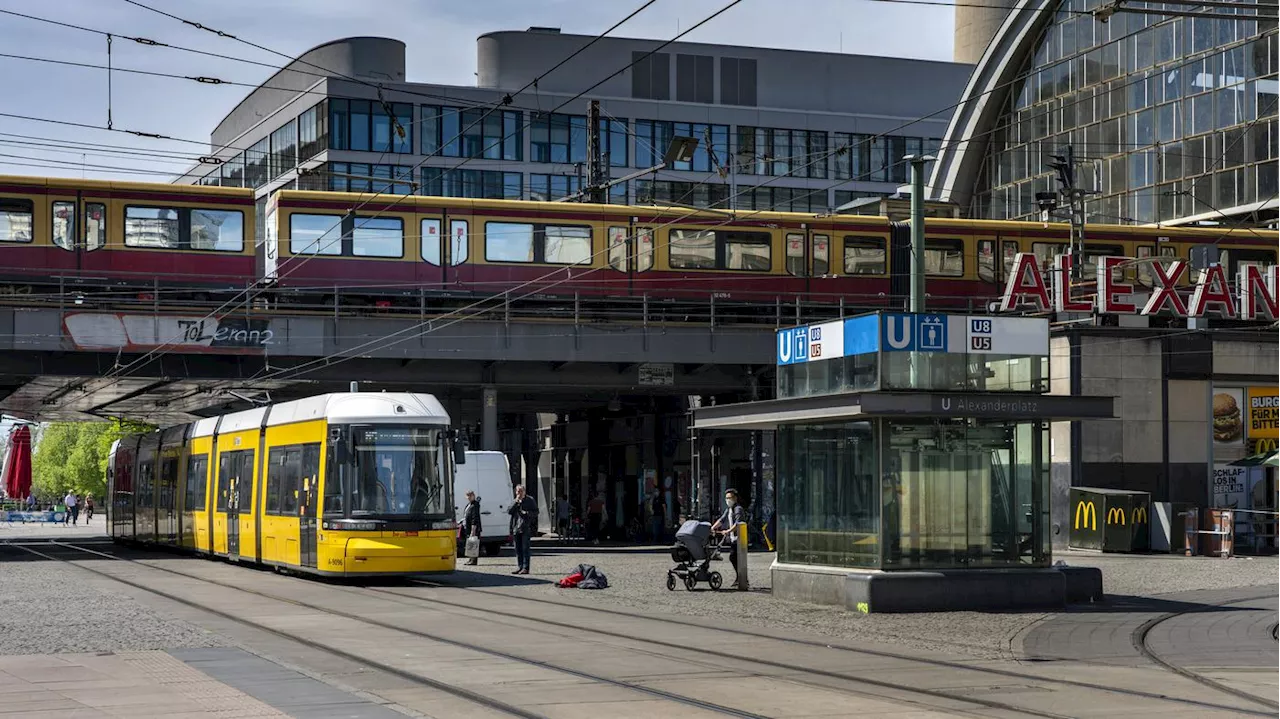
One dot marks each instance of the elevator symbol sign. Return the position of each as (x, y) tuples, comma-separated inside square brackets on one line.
[(915, 333)]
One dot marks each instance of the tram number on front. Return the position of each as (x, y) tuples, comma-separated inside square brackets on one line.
[(335, 562)]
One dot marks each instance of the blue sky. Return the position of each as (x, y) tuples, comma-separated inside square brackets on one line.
[(441, 48)]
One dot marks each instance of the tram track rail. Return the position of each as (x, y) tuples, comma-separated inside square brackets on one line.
[(1140, 642), (381, 666), (739, 632)]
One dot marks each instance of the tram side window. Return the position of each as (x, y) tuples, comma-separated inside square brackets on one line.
[(1045, 252), (692, 249), (64, 225), (1236, 258), (95, 226), (378, 237), (315, 234), (276, 469), (508, 242), (821, 255), (217, 230), (154, 227), (864, 255), (289, 482), (566, 245), (1091, 255), (430, 239), (197, 481), (168, 482), (333, 497), (146, 472), (459, 247), (309, 477), (944, 257), (747, 251), (644, 249), (795, 255), (618, 248), (16, 218)]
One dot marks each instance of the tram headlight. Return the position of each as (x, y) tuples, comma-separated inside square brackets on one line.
[(445, 524)]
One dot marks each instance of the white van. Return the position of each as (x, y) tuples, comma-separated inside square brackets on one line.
[(489, 476)]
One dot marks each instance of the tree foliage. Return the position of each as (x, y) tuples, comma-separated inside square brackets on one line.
[(72, 456)]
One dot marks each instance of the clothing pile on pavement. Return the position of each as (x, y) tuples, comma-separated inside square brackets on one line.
[(586, 576)]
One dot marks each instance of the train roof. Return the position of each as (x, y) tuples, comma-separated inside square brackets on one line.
[(204, 427), (363, 407), (72, 183)]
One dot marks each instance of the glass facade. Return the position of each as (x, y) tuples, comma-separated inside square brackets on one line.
[(653, 137), (1173, 116), (485, 184), (882, 494), (558, 138), (658, 192)]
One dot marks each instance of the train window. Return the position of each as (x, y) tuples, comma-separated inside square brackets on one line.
[(152, 227), (644, 249), (864, 255), (289, 483), (460, 245), (333, 491), (747, 251), (821, 255), (566, 245), (378, 237), (987, 260), (315, 234), (16, 220), (197, 481), (309, 474), (795, 254), (95, 226), (1093, 252), (508, 242), (1010, 248), (1235, 258), (430, 240), (275, 474), (1046, 251), (944, 257), (217, 230), (618, 248), (1145, 277), (64, 225), (692, 249)]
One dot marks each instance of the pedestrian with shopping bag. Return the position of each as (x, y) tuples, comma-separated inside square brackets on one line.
[(471, 529)]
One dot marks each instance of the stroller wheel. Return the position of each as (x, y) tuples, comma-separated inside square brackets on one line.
[(671, 582), (690, 581), (716, 581)]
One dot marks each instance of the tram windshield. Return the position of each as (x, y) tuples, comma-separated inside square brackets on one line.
[(398, 471)]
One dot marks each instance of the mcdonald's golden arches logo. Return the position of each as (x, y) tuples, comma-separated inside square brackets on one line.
[(1089, 513), (1140, 515), (1115, 513)]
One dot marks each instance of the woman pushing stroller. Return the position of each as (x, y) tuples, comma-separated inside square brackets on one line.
[(727, 526)]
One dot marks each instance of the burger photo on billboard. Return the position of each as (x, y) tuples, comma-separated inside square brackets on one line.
[(1226, 418)]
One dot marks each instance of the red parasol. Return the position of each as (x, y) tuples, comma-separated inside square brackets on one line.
[(17, 465)]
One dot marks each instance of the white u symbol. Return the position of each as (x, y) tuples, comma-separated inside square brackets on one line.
[(899, 335)]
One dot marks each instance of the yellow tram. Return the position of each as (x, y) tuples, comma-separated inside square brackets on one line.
[(342, 485)]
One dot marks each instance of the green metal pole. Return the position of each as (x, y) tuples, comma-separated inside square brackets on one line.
[(917, 231)]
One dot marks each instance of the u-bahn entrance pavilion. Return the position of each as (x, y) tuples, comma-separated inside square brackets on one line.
[(912, 462)]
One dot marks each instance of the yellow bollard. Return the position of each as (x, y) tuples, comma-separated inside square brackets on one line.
[(741, 549)]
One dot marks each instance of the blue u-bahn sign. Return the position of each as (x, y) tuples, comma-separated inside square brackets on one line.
[(907, 332)]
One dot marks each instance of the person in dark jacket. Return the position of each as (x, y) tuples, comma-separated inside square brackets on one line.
[(471, 522), (524, 519)]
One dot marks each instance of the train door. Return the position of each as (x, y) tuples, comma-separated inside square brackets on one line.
[(233, 515), (434, 253), (79, 228), (307, 504), (457, 270)]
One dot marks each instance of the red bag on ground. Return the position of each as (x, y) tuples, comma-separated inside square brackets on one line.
[(570, 581)]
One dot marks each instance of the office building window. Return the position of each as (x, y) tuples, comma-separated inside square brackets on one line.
[(737, 81), (877, 159), (695, 78), (255, 163), (651, 76), (284, 150), (775, 152), (312, 133), (233, 171), (362, 177), (782, 199), (844, 197), (552, 187), (653, 137), (370, 126), (555, 138), (612, 136), (668, 192), (479, 184), (454, 132)]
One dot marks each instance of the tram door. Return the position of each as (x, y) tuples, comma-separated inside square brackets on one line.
[(233, 512), (307, 511)]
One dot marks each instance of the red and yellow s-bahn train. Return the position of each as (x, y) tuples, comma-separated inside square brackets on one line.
[(114, 234)]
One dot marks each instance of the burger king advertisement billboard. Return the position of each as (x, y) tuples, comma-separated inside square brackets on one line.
[(1228, 421)]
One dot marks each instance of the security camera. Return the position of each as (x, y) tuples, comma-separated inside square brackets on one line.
[(1047, 201)]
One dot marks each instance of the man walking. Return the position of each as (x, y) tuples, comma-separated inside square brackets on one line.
[(658, 518), (562, 516), (595, 517), (73, 511), (524, 518)]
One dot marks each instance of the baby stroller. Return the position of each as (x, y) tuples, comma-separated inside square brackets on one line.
[(693, 552)]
